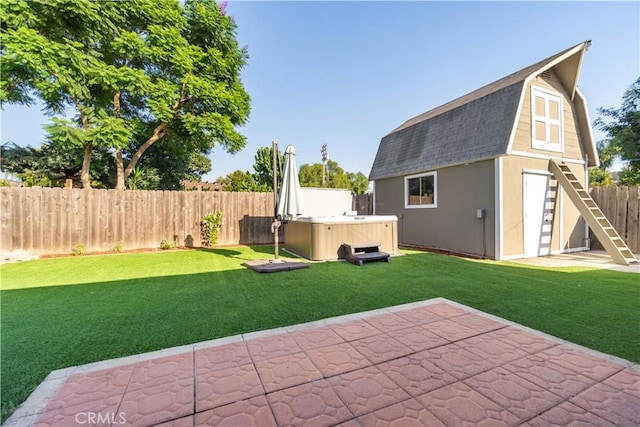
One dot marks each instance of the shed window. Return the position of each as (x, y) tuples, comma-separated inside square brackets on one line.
[(420, 191), (546, 119)]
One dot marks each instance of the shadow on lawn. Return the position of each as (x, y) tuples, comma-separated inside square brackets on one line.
[(229, 253), (267, 250)]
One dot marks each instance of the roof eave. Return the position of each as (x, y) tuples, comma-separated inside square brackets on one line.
[(593, 160), (570, 82)]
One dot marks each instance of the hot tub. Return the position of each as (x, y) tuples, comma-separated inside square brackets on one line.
[(319, 238)]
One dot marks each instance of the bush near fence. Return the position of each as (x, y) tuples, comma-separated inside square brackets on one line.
[(55, 220)]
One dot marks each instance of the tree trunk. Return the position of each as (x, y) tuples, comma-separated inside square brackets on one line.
[(86, 164), (120, 178), (158, 133), (88, 150)]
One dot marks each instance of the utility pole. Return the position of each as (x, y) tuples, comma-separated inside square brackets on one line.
[(324, 162)]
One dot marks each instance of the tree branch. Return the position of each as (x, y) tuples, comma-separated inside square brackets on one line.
[(159, 132)]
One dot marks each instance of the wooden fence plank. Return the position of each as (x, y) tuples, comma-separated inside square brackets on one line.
[(6, 244), (621, 211), (633, 219)]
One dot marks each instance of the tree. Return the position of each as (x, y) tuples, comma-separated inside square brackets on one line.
[(262, 178), (622, 127), (311, 176), (51, 165), (599, 177), (238, 181), (359, 182), (142, 178), (134, 72), (175, 162), (163, 167), (263, 168), (607, 154)]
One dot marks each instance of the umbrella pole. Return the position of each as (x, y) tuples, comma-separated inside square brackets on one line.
[(276, 223)]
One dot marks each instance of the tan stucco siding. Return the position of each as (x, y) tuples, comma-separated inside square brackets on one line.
[(452, 225), (573, 148), (574, 226), (567, 231)]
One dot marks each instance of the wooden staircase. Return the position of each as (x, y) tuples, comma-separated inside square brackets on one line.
[(599, 224)]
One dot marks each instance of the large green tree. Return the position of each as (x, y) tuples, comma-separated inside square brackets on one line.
[(622, 129), (134, 73)]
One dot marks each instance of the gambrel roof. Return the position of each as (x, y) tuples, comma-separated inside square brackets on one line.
[(476, 126)]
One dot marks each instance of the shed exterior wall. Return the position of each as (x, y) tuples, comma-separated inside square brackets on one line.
[(573, 148), (452, 225), (568, 228)]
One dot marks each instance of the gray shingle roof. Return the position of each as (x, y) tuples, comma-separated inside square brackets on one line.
[(473, 127)]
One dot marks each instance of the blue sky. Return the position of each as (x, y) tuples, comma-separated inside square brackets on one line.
[(347, 73)]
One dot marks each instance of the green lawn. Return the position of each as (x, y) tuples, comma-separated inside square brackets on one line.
[(68, 311)]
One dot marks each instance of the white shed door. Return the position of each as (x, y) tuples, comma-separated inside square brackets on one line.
[(537, 214)]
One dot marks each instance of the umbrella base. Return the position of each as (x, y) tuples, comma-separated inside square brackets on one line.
[(274, 265)]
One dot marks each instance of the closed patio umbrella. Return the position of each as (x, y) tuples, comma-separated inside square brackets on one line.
[(289, 201), (288, 206)]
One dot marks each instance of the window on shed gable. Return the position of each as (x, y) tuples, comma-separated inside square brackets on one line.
[(546, 119), (420, 191)]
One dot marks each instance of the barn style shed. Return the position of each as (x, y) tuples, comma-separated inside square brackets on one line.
[(500, 172)]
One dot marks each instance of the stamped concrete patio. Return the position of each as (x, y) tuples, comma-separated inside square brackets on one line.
[(432, 363)]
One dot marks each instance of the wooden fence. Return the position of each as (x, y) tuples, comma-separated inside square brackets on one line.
[(363, 203), (621, 205), (55, 220)]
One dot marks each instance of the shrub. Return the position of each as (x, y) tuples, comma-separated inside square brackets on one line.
[(119, 246), (79, 250), (165, 244), (210, 227)]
